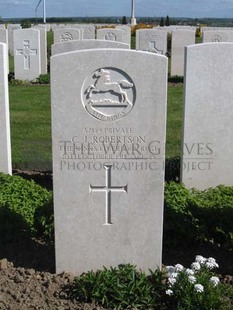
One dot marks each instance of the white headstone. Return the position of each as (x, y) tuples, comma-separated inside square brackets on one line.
[(180, 39), (151, 40), (67, 34), (5, 144), (43, 48), (3, 36), (208, 114), (88, 31), (11, 28), (27, 60), (110, 34), (71, 46), (127, 33), (108, 128), (215, 36)]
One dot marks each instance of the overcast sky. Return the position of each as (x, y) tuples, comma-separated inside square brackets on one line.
[(66, 8)]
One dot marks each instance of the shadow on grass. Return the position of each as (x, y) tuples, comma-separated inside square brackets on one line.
[(172, 169), (18, 246)]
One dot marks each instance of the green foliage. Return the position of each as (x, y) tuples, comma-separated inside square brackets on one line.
[(20, 200), (214, 212), (175, 79), (43, 79), (26, 23), (124, 20), (119, 288), (193, 215), (173, 288)]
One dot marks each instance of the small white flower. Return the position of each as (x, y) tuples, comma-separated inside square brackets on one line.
[(179, 267), (200, 259), (211, 263), (174, 275), (172, 281), (214, 281), (199, 288), (169, 292), (196, 266), (192, 279), (189, 272)]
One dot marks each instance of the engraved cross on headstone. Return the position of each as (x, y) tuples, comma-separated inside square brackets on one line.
[(108, 189), (27, 53), (153, 48)]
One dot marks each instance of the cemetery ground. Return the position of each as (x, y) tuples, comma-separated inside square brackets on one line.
[(195, 222)]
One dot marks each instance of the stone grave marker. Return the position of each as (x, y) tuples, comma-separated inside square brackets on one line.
[(110, 34), (71, 46), (88, 31), (208, 114), (151, 40), (108, 128), (180, 39), (126, 35), (5, 149), (27, 60), (67, 34), (11, 28), (215, 36), (43, 48)]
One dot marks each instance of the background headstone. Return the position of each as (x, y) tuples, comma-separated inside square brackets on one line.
[(215, 36), (5, 144), (71, 46), (151, 40), (108, 128), (126, 35), (208, 114), (67, 34), (88, 31), (11, 28), (180, 39), (27, 60), (110, 34)]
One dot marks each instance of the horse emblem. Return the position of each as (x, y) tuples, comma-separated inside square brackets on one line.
[(109, 95)]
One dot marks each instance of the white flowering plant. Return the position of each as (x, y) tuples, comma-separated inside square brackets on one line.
[(195, 288)]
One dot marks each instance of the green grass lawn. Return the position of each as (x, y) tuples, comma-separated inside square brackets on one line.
[(30, 117)]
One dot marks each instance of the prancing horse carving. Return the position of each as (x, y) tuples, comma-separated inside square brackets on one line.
[(104, 84)]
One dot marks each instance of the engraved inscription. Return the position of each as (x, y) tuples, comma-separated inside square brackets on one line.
[(27, 52), (109, 94), (66, 36), (216, 38), (110, 36), (152, 48), (108, 189)]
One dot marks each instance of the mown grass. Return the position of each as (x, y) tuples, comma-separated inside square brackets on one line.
[(30, 116), (30, 120)]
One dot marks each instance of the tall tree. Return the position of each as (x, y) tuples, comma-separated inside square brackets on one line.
[(167, 22), (161, 24)]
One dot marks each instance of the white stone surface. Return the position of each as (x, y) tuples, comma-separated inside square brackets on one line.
[(110, 34), (208, 114), (71, 46), (11, 28), (151, 40), (27, 60), (4, 36), (215, 36), (88, 31), (108, 128), (43, 49), (127, 33), (180, 39), (5, 144), (67, 34)]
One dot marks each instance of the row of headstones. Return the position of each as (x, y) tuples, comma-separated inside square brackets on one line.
[(109, 150), (109, 130), (32, 42)]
